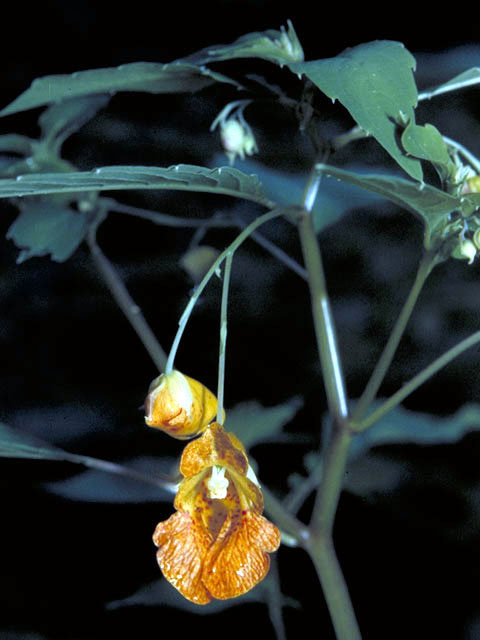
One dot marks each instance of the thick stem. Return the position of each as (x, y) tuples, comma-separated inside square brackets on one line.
[(328, 494), (323, 320), (426, 265), (320, 545), (322, 553)]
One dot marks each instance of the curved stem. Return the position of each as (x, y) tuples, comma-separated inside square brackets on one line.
[(416, 382), (223, 336), (213, 269), (426, 265)]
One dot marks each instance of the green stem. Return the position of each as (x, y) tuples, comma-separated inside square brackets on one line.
[(323, 320), (322, 553), (328, 494), (426, 265), (223, 336), (319, 543), (416, 382), (198, 291), (285, 521), (132, 311)]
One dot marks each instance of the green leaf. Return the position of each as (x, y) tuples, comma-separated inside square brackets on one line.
[(333, 200), (374, 82), (401, 426), (254, 423), (465, 79), (151, 77), (426, 143), (94, 485), (280, 47), (22, 445), (60, 120), (430, 204), (44, 228), (184, 177)]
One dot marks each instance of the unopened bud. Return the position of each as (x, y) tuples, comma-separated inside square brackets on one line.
[(179, 405)]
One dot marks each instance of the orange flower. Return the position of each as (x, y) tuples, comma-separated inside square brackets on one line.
[(179, 405), (216, 544)]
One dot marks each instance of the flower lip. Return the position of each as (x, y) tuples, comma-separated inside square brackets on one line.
[(217, 543)]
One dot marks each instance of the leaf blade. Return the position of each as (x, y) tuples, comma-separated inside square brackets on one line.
[(431, 205), (374, 82), (151, 77), (280, 47), (221, 180)]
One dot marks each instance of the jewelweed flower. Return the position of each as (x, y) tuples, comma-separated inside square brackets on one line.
[(237, 139), (179, 405), (216, 544)]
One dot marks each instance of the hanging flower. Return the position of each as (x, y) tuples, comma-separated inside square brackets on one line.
[(216, 544), (179, 405), (235, 132)]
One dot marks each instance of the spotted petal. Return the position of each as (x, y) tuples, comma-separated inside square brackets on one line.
[(182, 547), (215, 447), (238, 559)]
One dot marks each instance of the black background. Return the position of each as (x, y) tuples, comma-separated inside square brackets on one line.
[(68, 356)]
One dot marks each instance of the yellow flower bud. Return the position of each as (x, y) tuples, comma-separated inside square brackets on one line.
[(474, 185), (179, 405)]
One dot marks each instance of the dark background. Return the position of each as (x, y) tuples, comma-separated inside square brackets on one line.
[(74, 373)]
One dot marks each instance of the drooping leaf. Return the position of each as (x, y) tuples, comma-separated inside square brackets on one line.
[(253, 423), (374, 82), (94, 485), (45, 228), (223, 180), (280, 47), (429, 203), (150, 77), (15, 443), (18, 444), (465, 79), (401, 426), (62, 119)]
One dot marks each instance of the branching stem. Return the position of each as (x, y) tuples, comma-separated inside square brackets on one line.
[(426, 265), (416, 382), (320, 544)]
